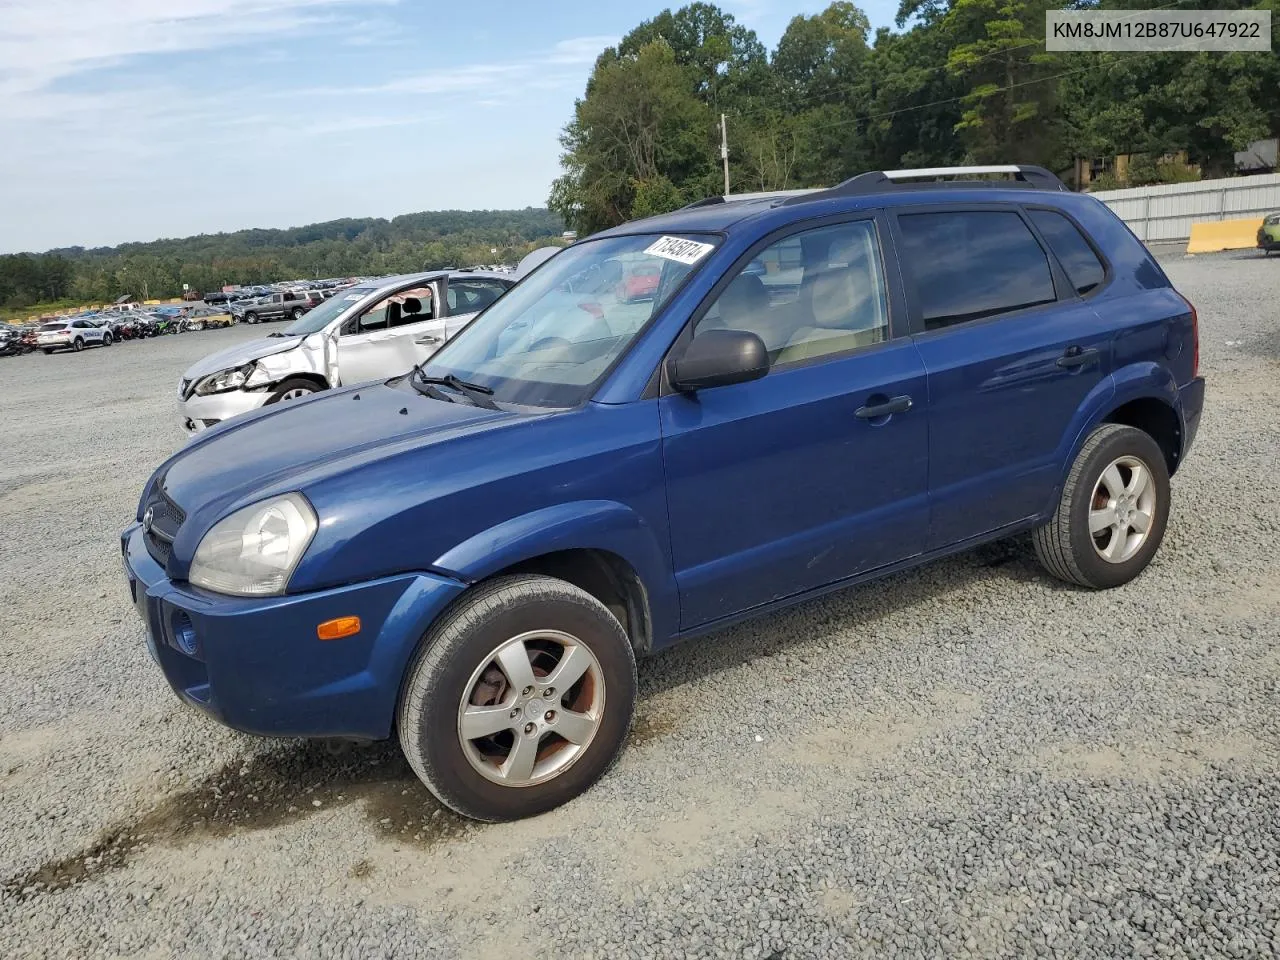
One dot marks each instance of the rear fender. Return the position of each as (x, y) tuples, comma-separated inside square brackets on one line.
[(1133, 382)]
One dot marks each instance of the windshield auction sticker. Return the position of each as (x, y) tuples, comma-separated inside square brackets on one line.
[(679, 250)]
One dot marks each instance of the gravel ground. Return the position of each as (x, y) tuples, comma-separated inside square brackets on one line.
[(970, 759)]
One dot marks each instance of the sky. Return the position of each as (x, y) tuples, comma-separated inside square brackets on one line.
[(138, 119)]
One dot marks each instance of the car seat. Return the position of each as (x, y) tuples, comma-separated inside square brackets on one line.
[(842, 303)]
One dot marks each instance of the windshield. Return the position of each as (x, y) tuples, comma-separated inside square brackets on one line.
[(550, 340), (318, 318), (53, 325)]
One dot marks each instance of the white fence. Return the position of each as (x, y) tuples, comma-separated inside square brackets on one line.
[(1167, 212)]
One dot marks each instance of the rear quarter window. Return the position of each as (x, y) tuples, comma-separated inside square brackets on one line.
[(1078, 259)]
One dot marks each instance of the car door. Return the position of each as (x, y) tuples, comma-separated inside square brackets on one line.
[(386, 340), (818, 471), (1011, 350), (467, 296), (463, 299)]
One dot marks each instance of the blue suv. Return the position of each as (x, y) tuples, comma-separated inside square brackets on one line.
[(819, 388)]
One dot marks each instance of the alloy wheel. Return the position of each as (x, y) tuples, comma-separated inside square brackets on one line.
[(1121, 509), (531, 708)]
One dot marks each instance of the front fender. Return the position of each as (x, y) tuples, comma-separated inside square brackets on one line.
[(582, 525)]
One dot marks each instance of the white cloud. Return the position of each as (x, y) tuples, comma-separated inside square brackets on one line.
[(43, 41), (580, 50)]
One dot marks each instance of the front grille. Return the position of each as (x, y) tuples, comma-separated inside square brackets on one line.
[(161, 521)]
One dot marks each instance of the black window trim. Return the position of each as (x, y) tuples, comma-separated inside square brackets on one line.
[(1063, 290), (433, 283), (504, 284), (1108, 272), (659, 386)]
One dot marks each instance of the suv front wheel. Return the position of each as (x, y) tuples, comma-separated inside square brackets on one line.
[(1113, 511), (519, 699)]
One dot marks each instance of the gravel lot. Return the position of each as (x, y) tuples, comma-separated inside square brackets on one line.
[(970, 759)]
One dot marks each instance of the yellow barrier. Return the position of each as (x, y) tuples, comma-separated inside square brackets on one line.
[(1223, 235)]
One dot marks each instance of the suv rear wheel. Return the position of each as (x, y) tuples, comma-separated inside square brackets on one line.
[(519, 698), (1113, 511)]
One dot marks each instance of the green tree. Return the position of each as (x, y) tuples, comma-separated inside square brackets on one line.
[(638, 123), (1010, 109)]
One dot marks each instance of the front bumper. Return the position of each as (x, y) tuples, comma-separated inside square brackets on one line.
[(199, 413), (256, 664)]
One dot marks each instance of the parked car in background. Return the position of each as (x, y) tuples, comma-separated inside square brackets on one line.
[(10, 340), (216, 296), (1269, 233), (641, 281), (72, 335), (206, 318), (272, 306), (370, 332), (471, 556)]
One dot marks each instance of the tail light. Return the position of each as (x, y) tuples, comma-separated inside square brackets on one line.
[(1195, 340)]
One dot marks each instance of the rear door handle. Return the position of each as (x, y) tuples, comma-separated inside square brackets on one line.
[(429, 338), (877, 410), (1076, 357)]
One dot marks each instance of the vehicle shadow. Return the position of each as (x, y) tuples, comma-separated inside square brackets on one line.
[(294, 780), (855, 609)]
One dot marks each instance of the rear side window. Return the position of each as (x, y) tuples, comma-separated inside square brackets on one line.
[(1084, 269), (970, 264)]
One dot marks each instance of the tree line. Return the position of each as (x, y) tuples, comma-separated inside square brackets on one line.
[(338, 248), (960, 81)]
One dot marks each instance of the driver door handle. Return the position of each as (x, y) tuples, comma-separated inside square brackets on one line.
[(429, 338), (1076, 357), (877, 410)]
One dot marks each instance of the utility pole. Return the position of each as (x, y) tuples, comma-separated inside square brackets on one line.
[(724, 153)]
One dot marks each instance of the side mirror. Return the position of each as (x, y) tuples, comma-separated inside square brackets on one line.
[(716, 358)]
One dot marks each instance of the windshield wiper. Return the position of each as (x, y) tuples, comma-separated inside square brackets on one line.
[(477, 393), (429, 391)]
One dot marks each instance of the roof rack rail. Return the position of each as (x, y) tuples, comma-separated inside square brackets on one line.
[(775, 195), (1023, 175), (704, 202)]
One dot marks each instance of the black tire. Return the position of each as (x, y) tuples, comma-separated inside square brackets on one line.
[(106, 339), (297, 383), (47, 350), (78, 345), (297, 313), (459, 643), (251, 317), (1065, 546)]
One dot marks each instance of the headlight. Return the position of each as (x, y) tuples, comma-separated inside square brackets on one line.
[(253, 552), (249, 375)]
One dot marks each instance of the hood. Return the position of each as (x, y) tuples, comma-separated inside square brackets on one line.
[(241, 354), (288, 446)]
